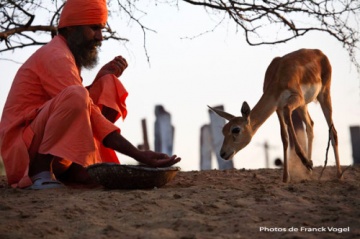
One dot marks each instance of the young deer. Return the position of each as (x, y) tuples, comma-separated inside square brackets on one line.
[(291, 82)]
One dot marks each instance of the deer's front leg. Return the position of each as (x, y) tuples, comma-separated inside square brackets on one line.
[(285, 141), (294, 102)]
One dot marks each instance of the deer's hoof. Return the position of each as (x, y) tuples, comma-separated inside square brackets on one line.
[(340, 176), (309, 165), (286, 178)]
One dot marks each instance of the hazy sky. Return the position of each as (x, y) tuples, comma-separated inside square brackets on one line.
[(216, 68)]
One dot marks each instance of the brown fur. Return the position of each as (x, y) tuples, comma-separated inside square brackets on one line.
[(291, 82)]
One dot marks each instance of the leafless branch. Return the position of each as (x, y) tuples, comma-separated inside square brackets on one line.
[(17, 18), (292, 19), (258, 20), (129, 9)]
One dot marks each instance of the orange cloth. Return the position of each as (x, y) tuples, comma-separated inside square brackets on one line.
[(81, 12), (43, 86)]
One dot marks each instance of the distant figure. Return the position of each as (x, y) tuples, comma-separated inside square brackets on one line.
[(355, 142), (216, 124), (164, 131), (211, 139), (205, 147)]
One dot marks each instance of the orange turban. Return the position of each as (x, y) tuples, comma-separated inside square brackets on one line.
[(83, 12)]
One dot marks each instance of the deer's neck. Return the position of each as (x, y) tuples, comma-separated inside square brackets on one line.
[(262, 111)]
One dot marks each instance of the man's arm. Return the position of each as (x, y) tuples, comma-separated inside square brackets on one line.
[(118, 143)]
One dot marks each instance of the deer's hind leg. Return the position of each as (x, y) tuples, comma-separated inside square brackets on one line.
[(309, 124), (325, 101)]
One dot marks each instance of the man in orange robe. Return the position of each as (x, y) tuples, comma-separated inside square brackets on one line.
[(52, 126)]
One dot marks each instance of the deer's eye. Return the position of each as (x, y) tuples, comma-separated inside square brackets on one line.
[(235, 130)]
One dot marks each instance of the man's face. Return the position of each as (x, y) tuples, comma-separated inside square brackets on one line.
[(84, 42)]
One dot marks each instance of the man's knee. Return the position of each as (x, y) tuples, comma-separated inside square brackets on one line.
[(77, 97)]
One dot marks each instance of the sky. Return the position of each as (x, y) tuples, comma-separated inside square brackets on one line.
[(187, 73)]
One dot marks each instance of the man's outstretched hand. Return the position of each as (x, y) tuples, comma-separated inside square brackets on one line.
[(117, 142), (154, 159), (115, 67)]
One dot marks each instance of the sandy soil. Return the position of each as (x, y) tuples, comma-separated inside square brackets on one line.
[(198, 204)]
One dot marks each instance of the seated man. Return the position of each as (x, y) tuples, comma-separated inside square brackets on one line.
[(52, 126)]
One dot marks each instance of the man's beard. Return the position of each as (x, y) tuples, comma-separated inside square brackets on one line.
[(85, 51)]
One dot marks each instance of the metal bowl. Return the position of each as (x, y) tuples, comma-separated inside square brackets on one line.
[(120, 176)]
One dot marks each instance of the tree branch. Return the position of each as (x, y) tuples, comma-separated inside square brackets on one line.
[(293, 19), (4, 35), (289, 18)]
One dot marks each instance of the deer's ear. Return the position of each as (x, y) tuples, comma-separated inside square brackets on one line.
[(245, 110), (222, 113)]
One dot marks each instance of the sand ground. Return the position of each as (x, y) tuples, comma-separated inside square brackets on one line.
[(197, 204)]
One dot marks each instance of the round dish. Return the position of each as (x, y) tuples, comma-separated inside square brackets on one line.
[(121, 176)]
